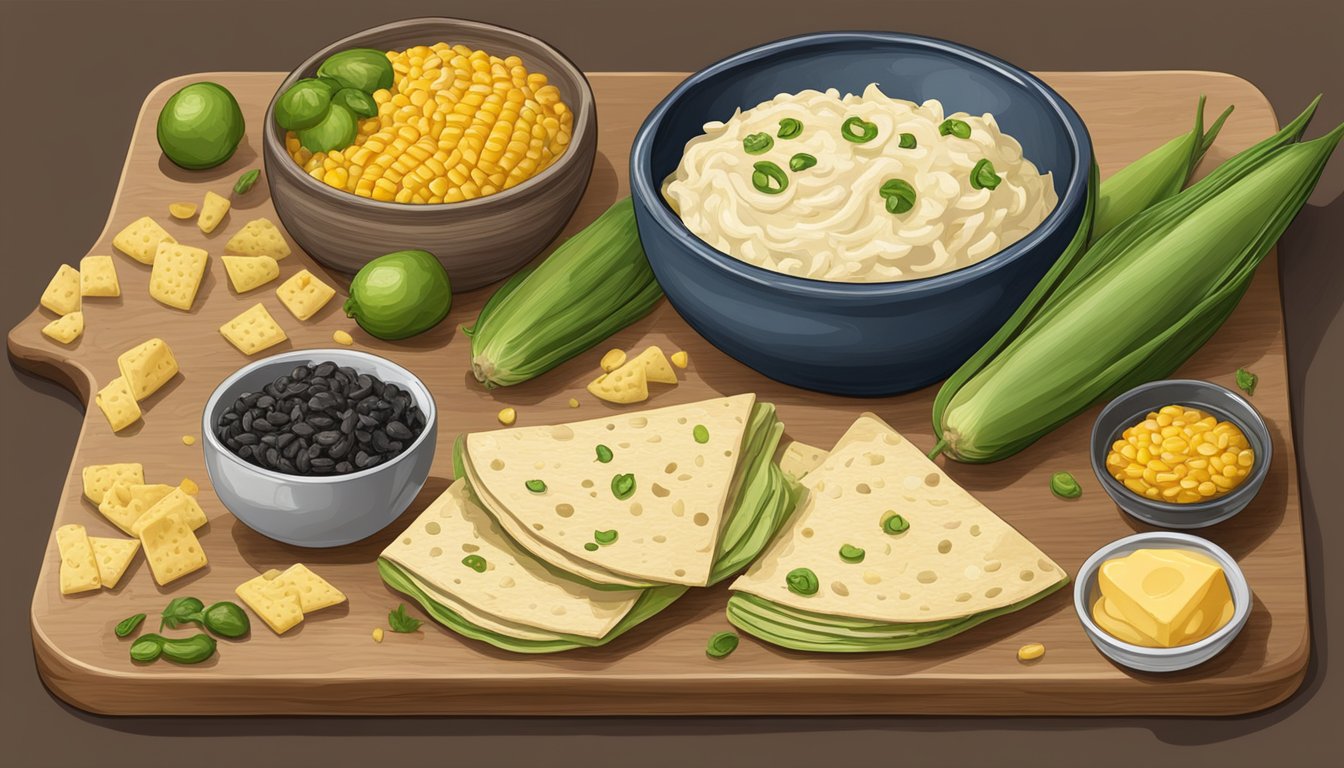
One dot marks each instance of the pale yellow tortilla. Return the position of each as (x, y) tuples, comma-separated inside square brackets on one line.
[(797, 459), (956, 559)]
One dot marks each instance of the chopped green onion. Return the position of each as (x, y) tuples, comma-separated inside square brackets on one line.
[(801, 162), (858, 130), (605, 537), (590, 546), (983, 175), (536, 486), (721, 644), (700, 433), (851, 554), (758, 143), (603, 454), (895, 524), (1246, 381), (954, 127), (475, 563), (789, 128), (802, 581), (623, 486), (769, 178), (899, 195), (1065, 485), (128, 625), (908, 141)]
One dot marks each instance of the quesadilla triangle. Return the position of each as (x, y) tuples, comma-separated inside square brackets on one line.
[(886, 553), (687, 494), (470, 577)]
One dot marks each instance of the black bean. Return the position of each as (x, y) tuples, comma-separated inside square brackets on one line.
[(285, 439), (291, 450), (314, 451), (373, 461), (287, 465), (266, 402), (322, 462), (246, 438), (271, 390), (250, 399), (345, 467), (262, 425), (341, 447), (327, 438), (268, 440), (235, 429), (300, 373), (228, 418), (245, 452), (233, 444), (301, 462), (394, 446), (277, 418), (340, 381), (399, 431), (272, 456), (363, 435), (348, 422), (247, 421), (380, 441), (322, 422), (325, 369), (316, 385), (303, 429)]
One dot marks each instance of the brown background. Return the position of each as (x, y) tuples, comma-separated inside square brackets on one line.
[(78, 71)]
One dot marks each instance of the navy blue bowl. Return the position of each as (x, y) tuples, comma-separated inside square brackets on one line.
[(856, 338)]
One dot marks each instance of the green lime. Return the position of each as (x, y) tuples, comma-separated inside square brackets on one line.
[(357, 101), (363, 68), (399, 295), (303, 104), (200, 126), (336, 130)]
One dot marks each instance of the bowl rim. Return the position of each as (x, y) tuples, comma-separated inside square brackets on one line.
[(1236, 582), (427, 406), (585, 121), (1237, 499), (646, 189)]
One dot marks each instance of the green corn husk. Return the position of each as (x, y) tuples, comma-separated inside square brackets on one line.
[(1134, 306), (1156, 176), (596, 283)]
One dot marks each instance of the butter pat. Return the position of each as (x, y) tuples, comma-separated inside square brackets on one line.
[(1162, 598)]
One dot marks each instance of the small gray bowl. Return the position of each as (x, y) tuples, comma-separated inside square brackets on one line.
[(307, 511), (478, 241), (1130, 408), (1144, 659)]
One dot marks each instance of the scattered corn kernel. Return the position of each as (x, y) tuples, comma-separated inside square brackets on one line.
[(181, 210), (189, 486), (188, 439), (680, 359), (507, 416), (1181, 455), (614, 359), (573, 402), (1030, 651), (377, 634), (341, 337)]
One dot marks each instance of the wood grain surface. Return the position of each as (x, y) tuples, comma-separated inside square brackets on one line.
[(330, 663)]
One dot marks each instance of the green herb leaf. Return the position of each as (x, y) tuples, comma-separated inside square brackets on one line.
[(700, 433), (953, 127), (475, 563), (757, 143), (851, 554), (1065, 485), (128, 625), (721, 644), (1246, 381), (858, 130), (536, 486), (605, 537), (769, 178), (789, 128), (604, 454), (801, 162), (399, 621), (908, 141), (895, 524), (246, 181), (623, 486), (802, 581), (983, 175), (181, 610), (147, 648), (898, 194)]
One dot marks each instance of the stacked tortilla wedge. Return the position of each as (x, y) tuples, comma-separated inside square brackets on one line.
[(886, 553), (558, 537)]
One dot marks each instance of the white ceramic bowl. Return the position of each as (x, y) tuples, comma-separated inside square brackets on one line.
[(317, 511), (1086, 590)]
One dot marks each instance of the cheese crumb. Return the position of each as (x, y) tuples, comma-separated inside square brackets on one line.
[(680, 359), (573, 402), (377, 634), (188, 440), (1030, 652), (189, 486), (341, 337), (507, 416)]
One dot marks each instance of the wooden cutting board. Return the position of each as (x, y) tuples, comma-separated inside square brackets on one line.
[(330, 664)]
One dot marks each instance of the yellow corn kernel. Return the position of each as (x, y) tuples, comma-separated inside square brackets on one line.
[(189, 486), (680, 359), (1174, 454), (342, 337), (508, 416), (377, 634), (188, 439), (573, 402), (1030, 652), (181, 210)]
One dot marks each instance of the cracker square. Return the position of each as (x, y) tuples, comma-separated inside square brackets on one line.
[(98, 277), (113, 556), (315, 592), (258, 237), (176, 502), (79, 568), (178, 270), (277, 604), (172, 550), (62, 293), (98, 478), (253, 331), (65, 329), (147, 366), (118, 404), (249, 272), (140, 239), (303, 294), (212, 211), (124, 503)]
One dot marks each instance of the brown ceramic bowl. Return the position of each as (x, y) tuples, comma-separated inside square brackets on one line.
[(479, 241)]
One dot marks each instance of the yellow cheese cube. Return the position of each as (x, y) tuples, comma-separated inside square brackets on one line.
[(79, 568), (656, 367), (303, 294), (140, 239), (175, 502), (124, 503), (1163, 594), (258, 237), (98, 277), (627, 384), (172, 550), (98, 478), (249, 272), (118, 404), (277, 604), (178, 271), (147, 366), (253, 330), (62, 293), (114, 557), (212, 211), (65, 329), (315, 593)]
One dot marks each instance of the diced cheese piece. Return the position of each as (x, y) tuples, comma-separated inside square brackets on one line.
[(147, 367), (98, 478), (114, 556), (171, 549), (140, 239), (627, 384), (124, 503), (249, 272), (98, 277), (79, 568), (62, 293), (65, 329), (303, 294), (212, 212), (182, 211), (258, 237), (315, 593), (118, 404), (1163, 593), (176, 502), (656, 367), (277, 604), (178, 271), (253, 330)]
